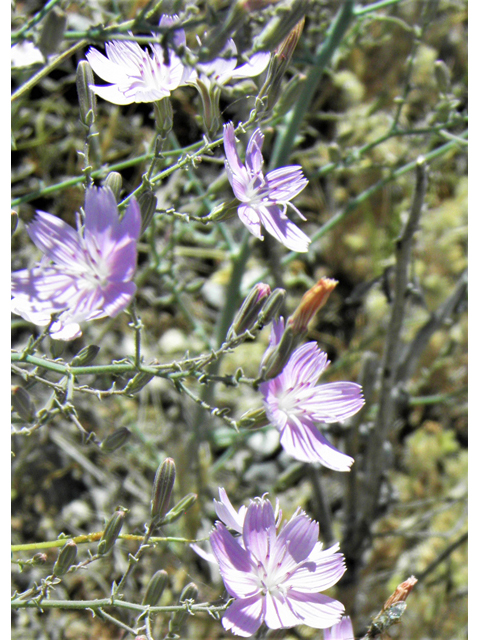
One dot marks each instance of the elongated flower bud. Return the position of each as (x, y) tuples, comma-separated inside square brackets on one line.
[(57, 347), (86, 97), (248, 313), (115, 440), (253, 418), (112, 531), (281, 25), (162, 489), (138, 381), (189, 593), (272, 306), (313, 300), (276, 360), (442, 76), (65, 559), (85, 356), (155, 588), (180, 508), (22, 403), (114, 182), (163, 116), (147, 201), (54, 26)]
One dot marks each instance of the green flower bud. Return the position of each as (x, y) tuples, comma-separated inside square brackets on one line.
[(53, 29), (85, 356), (163, 116), (115, 440), (65, 559), (272, 306), (39, 559), (86, 97), (162, 489), (114, 181), (112, 531), (57, 347), (284, 21), (138, 381), (155, 588), (189, 594), (278, 357), (180, 508), (147, 201), (22, 404), (254, 418), (248, 313)]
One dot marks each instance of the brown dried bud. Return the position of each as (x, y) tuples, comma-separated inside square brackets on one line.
[(401, 592), (313, 300)]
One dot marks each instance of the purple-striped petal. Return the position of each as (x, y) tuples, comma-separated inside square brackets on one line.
[(244, 617)]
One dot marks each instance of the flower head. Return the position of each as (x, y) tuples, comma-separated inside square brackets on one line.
[(294, 403), (343, 630), (264, 198), (137, 75), (275, 573), (85, 273), (223, 69)]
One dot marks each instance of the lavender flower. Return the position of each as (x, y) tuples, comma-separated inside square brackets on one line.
[(265, 198), (137, 76), (223, 69), (343, 630), (84, 274), (275, 573), (294, 404)]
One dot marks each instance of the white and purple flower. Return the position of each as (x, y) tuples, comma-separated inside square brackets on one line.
[(294, 403), (86, 273), (275, 572), (137, 75), (264, 198), (343, 630)]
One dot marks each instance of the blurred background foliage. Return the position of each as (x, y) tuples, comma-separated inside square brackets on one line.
[(383, 72)]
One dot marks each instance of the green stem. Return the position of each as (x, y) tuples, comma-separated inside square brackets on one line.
[(361, 11), (33, 21), (46, 70)]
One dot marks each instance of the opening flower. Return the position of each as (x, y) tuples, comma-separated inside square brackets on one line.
[(265, 198), (343, 630), (86, 273), (276, 573), (294, 403), (137, 75)]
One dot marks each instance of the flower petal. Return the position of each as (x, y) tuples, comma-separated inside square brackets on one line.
[(253, 154), (254, 67), (244, 617), (259, 530), (316, 610), (283, 229), (250, 219), (234, 563), (227, 513), (231, 149), (304, 442), (343, 630), (278, 612), (335, 401), (56, 239)]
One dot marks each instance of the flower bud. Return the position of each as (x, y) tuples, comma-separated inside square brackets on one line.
[(54, 26), (112, 531), (254, 418), (138, 381), (401, 592), (180, 508), (189, 593), (279, 63), (65, 559), (275, 360), (442, 76), (115, 440), (155, 588), (272, 306), (162, 489), (57, 347), (86, 97), (313, 300), (85, 356), (22, 404), (147, 201), (39, 559), (114, 181), (163, 116), (248, 313), (285, 20)]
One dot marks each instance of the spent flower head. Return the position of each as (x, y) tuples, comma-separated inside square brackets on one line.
[(137, 75), (295, 404), (275, 572), (264, 198), (84, 274)]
